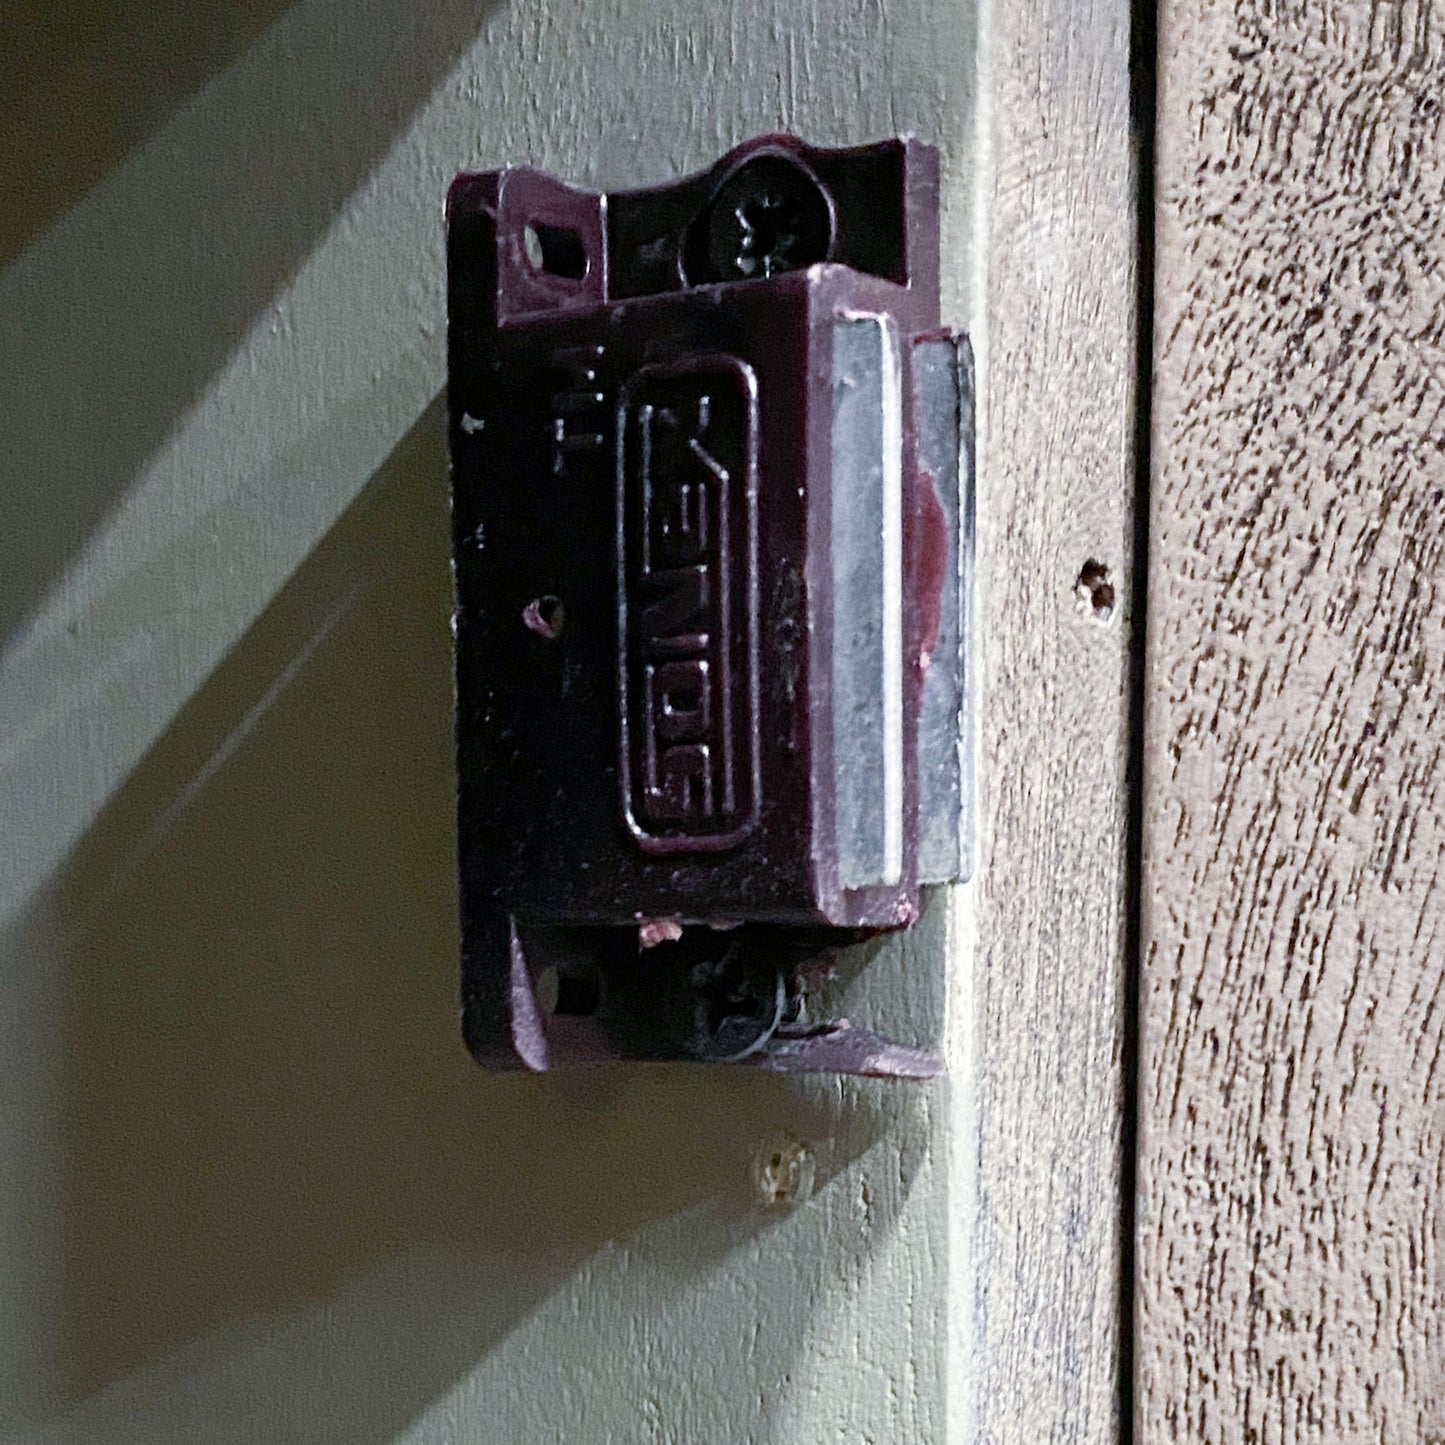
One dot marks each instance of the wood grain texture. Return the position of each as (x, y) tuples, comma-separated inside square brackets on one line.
[(1056, 495), (1292, 1171)]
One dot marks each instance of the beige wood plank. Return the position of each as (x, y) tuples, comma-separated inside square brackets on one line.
[(1056, 496), (1292, 1168)]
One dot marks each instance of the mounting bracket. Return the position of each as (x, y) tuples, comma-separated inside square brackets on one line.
[(713, 553)]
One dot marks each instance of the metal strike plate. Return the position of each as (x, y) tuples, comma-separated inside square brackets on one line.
[(712, 553)]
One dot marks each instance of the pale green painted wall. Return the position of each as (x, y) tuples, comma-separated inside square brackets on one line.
[(252, 1190)]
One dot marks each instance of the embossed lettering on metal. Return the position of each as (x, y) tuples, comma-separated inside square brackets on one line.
[(688, 755)]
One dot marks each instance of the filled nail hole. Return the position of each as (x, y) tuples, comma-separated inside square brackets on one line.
[(1095, 590), (546, 616), (556, 250), (783, 1171)]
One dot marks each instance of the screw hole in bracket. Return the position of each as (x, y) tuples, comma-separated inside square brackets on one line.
[(557, 250), (546, 616), (572, 993)]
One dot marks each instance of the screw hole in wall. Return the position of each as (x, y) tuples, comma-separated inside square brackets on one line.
[(783, 1172)]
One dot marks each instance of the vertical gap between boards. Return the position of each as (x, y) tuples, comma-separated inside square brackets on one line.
[(1143, 76)]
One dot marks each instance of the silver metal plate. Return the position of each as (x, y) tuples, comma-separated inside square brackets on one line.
[(943, 384), (867, 642)]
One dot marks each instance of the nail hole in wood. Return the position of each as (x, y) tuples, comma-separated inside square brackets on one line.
[(1095, 590)]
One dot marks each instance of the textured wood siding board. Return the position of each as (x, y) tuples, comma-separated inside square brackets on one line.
[(1291, 1266)]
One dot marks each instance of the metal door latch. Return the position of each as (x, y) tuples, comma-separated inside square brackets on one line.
[(712, 552)]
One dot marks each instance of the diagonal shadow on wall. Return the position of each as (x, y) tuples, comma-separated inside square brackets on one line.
[(85, 80), (117, 317), (265, 1100)]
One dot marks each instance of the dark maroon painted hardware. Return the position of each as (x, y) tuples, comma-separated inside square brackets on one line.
[(712, 551)]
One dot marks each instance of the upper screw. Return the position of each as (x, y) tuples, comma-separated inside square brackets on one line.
[(769, 216)]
